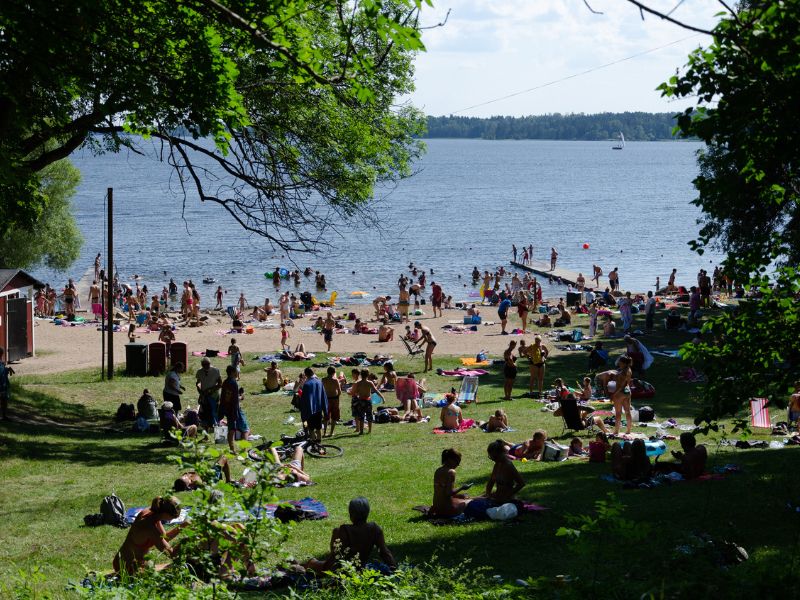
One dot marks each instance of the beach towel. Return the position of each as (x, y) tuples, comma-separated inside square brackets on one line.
[(667, 353), (759, 413), (434, 519), (462, 372), (131, 513), (312, 509), (473, 362), (465, 424), (406, 389)]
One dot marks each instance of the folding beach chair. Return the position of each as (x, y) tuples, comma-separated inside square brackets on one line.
[(571, 415), (469, 390), (411, 350), (759, 413)]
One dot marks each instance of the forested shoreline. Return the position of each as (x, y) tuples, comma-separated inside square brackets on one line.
[(636, 126)]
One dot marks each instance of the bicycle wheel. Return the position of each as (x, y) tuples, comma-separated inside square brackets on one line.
[(323, 450)]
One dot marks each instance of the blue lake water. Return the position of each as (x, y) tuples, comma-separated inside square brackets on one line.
[(469, 201)]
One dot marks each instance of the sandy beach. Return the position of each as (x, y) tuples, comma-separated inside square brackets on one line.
[(60, 348)]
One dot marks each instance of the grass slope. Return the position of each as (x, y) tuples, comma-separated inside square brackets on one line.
[(62, 459)]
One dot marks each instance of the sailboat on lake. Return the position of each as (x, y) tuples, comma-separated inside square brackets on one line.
[(621, 144)]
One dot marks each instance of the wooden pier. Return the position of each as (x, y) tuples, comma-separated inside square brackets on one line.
[(82, 289), (542, 269)]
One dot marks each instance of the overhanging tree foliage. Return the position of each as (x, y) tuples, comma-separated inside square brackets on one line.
[(255, 89), (746, 88)]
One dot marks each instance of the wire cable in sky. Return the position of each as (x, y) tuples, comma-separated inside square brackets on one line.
[(574, 75)]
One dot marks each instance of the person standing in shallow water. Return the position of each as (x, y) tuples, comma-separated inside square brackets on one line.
[(553, 259)]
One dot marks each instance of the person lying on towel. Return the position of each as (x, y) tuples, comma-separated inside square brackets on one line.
[(192, 481)]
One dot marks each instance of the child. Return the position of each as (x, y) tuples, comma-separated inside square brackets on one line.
[(497, 422), (235, 355), (576, 448), (598, 448), (389, 378), (284, 337), (561, 391), (586, 391)]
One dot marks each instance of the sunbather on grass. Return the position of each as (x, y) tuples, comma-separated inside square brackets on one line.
[(354, 542), (148, 532), (505, 481), (529, 449), (447, 500), (192, 481)]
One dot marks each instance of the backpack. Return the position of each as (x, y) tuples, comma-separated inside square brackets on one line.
[(113, 511), (577, 335), (125, 412)]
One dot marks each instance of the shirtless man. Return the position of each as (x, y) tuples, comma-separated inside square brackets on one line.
[(403, 303), (354, 542), (94, 298), (361, 406), (328, 325), (273, 380), (447, 500), (333, 389), (379, 304), (613, 279), (385, 333)]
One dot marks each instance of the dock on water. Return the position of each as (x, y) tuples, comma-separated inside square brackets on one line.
[(82, 289), (542, 269)]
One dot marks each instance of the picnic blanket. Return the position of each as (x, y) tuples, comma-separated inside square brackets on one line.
[(465, 424), (463, 519)]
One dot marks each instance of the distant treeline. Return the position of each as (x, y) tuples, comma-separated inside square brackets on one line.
[(603, 126)]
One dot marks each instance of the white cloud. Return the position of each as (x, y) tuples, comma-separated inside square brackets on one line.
[(490, 49)]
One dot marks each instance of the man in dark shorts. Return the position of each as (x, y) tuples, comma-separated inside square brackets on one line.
[(509, 369), (502, 312), (333, 390), (313, 405), (229, 402), (328, 325)]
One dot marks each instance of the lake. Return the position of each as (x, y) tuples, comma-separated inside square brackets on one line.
[(469, 201)]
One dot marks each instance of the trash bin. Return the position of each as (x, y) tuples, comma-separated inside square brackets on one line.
[(136, 360), (158, 358), (573, 298), (179, 352)]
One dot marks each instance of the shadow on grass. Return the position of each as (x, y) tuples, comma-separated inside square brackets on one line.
[(744, 508), (46, 428)]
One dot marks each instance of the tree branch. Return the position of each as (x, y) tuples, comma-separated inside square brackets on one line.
[(665, 16)]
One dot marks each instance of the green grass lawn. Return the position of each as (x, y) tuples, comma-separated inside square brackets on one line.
[(57, 466)]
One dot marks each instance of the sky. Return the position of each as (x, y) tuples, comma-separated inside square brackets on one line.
[(489, 49)]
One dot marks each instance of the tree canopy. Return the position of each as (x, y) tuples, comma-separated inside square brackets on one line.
[(746, 85), (55, 240), (264, 96)]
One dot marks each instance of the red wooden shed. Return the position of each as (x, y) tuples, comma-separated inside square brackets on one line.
[(16, 313)]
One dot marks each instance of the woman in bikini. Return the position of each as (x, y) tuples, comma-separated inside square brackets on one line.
[(505, 481), (447, 500), (622, 395), (148, 532), (426, 337), (451, 414), (537, 353)]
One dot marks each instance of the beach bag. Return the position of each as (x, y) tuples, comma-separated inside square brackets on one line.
[(481, 356), (125, 412), (554, 452), (211, 353), (646, 414), (383, 416), (113, 511), (577, 335), (597, 452), (220, 434)]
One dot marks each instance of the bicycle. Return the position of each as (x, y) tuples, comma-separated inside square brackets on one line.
[(285, 451)]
